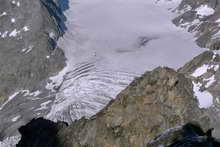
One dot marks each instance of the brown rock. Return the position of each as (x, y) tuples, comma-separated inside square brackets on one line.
[(153, 103)]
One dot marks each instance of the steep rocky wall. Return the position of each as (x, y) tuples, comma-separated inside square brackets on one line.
[(28, 54)]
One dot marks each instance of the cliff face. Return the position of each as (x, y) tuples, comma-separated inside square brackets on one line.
[(29, 30), (153, 103), (28, 54)]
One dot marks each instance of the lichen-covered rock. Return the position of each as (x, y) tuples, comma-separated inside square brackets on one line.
[(151, 104)]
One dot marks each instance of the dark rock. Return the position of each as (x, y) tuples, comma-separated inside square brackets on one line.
[(40, 133), (190, 135)]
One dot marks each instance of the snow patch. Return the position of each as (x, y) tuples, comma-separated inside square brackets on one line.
[(200, 71), (216, 67), (5, 34), (205, 98), (210, 81), (13, 20), (205, 10), (13, 2), (218, 20), (26, 28), (15, 118), (3, 14), (27, 50), (14, 33), (52, 35), (18, 4), (28, 93), (9, 99), (43, 106)]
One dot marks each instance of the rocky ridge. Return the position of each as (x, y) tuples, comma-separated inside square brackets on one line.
[(157, 101)]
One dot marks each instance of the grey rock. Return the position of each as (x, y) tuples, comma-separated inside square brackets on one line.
[(205, 28), (27, 57)]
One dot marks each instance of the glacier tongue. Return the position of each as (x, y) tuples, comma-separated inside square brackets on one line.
[(107, 44)]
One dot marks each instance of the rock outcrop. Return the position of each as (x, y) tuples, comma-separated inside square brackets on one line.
[(157, 101)]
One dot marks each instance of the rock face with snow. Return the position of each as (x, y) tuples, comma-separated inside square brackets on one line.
[(151, 104), (29, 30), (201, 17), (205, 74), (28, 54)]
